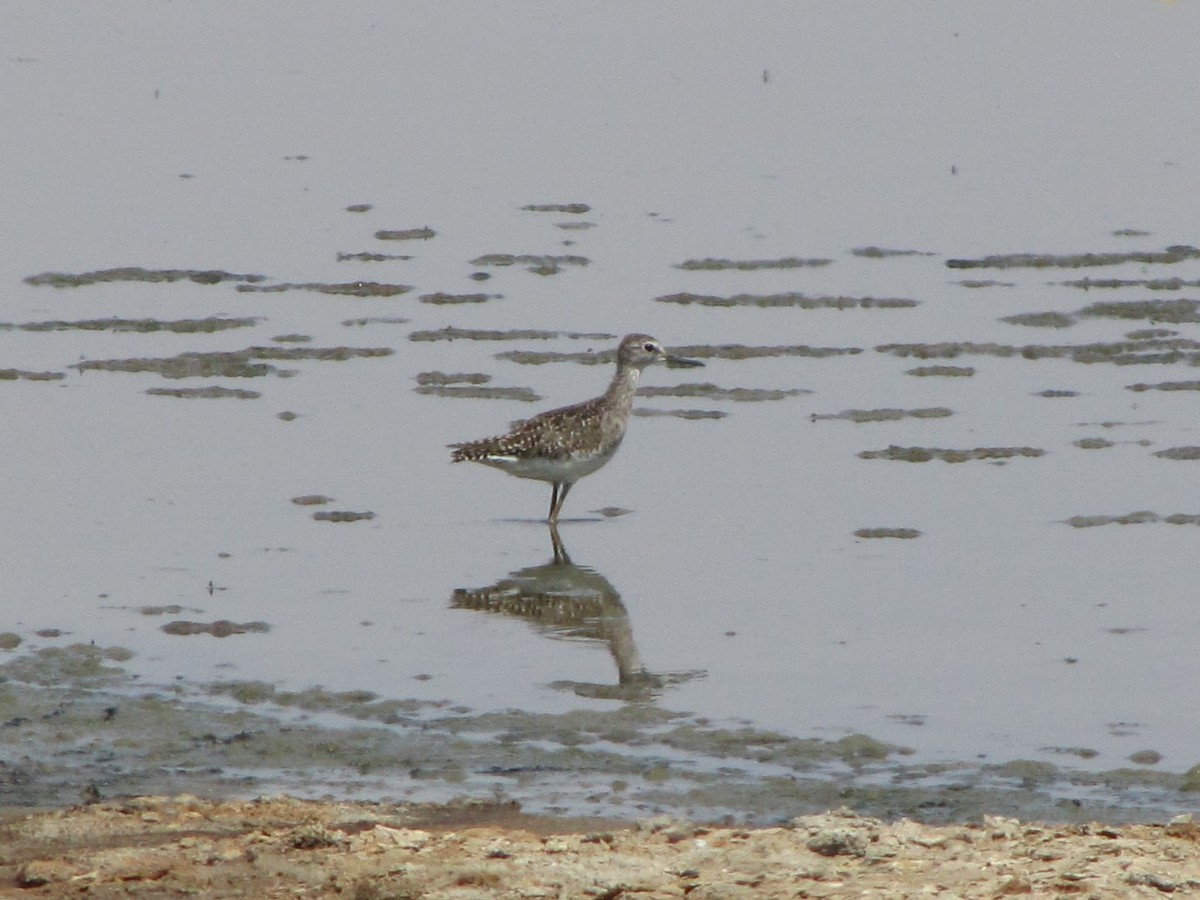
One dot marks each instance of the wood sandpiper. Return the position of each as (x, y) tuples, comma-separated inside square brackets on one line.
[(563, 445)]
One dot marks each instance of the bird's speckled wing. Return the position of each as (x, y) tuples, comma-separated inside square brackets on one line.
[(577, 430)]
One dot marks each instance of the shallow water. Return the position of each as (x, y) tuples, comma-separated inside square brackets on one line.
[(265, 244)]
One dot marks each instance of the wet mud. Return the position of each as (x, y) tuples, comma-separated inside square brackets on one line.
[(75, 725)]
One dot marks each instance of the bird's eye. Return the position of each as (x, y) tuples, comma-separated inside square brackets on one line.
[(649, 347)]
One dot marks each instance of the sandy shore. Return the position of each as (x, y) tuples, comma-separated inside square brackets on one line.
[(171, 847)]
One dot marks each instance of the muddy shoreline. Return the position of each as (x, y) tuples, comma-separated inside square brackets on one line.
[(76, 727), (162, 847)]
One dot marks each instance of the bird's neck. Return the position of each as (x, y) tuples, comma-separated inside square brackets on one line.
[(624, 385)]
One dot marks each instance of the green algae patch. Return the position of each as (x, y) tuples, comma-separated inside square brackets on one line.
[(1161, 351), (1174, 254), (926, 454), (440, 298), (748, 265), (341, 515), (76, 665), (234, 364), (857, 748), (214, 392), (344, 289), (1184, 453), (887, 533), (744, 351), (647, 413), (791, 299), (861, 416), (375, 320), (575, 209), (450, 333), (371, 257), (443, 378), (538, 264), (9, 640), (476, 392), (406, 234), (941, 371), (137, 273), (1093, 443), (1150, 284), (312, 500), (1041, 320), (739, 395), (1141, 517), (219, 629), (228, 364), (1055, 393), (209, 325), (1191, 780), (1176, 312), (885, 253), (1165, 386), (26, 375), (1029, 772)]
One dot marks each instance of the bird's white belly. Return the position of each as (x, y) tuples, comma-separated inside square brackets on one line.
[(553, 470)]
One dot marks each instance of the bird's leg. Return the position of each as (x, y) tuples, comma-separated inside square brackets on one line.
[(560, 552), (557, 496)]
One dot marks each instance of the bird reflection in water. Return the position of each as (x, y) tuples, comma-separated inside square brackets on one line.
[(563, 600)]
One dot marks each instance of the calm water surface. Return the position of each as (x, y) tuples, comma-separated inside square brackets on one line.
[(236, 140)]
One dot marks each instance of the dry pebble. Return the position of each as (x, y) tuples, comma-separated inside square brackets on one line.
[(160, 847)]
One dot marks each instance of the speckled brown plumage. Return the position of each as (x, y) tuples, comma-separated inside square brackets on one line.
[(565, 444)]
